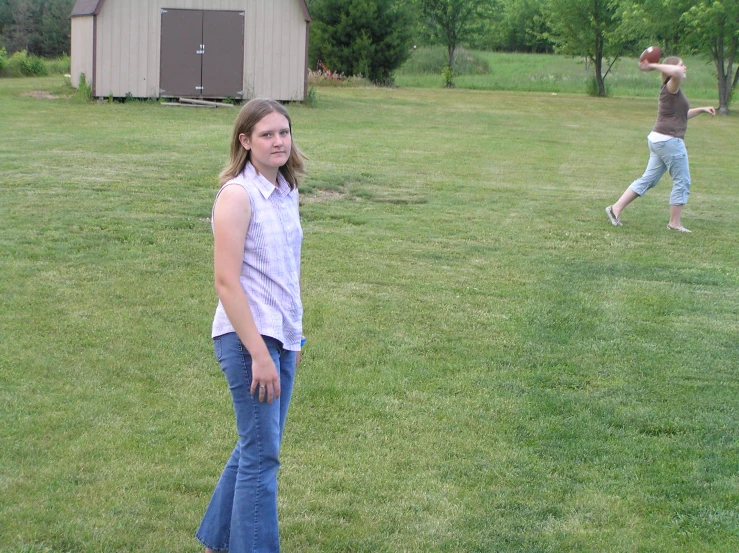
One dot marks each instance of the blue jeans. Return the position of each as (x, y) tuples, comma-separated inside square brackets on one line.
[(242, 514), (671, 156)]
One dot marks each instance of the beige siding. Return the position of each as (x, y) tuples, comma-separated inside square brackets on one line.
[(274, 64), (128, 46), (81, 62)]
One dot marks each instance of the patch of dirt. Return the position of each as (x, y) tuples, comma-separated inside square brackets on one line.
[(42, 95), (320, 196)]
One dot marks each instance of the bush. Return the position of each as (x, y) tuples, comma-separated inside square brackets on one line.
[(84, 89), (3, 59), (21, 64), (433, 60), (360, 37)]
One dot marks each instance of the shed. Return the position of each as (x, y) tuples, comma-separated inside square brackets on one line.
[(192, 48)]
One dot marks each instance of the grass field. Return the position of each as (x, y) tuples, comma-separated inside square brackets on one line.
[(491, 366)]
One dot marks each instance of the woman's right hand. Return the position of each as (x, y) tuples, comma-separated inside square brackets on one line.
[(265, 382)]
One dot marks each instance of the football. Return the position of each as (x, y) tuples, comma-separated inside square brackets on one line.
[(652, 54)]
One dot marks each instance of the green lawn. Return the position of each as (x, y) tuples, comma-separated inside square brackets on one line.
[(491, 366)]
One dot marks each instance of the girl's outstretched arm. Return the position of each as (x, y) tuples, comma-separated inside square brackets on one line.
[(697, 111)]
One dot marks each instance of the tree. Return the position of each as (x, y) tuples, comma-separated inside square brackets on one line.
[(589, 28), (367, 37), (657, 22), (451, 23), (521, 27), (713, 28), (56, 27), (22, 30)]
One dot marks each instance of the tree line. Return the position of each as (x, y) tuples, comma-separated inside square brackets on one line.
[(40, 27), (374, 37)]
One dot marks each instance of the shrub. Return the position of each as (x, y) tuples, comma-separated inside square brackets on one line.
[(360, 37), (84, 89), (3, 59), (21, 64), (311, 97)]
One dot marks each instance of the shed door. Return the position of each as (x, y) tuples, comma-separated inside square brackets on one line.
[(223, 60), (202, 53), (181, 62)]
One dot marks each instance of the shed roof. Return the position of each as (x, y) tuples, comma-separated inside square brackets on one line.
[(86, 7), (92, 7)]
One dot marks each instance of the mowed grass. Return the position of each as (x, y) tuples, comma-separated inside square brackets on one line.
[(490, 367), (563, 74)]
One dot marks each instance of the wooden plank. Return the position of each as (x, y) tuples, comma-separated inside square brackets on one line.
[(183, 105), (205, 103)]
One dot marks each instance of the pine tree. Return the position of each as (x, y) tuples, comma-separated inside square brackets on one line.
[(367, 37)]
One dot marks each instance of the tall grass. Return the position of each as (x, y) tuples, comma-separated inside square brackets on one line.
[(491, 366), (433, 60), (561, 74), (22, 64)]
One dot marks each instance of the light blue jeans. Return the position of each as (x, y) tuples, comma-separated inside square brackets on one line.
[(242, 514), (671, 156)]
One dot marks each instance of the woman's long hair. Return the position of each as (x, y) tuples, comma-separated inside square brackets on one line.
[(252, 113), (672, 60)]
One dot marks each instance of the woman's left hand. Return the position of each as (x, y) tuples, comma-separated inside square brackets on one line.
[(711, 110)]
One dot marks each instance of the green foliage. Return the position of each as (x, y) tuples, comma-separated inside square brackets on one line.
[(3, 60), (360, 37), (448, 74), (56, 27), (658, 22), (58, 66), (311, 97), (450, 22), (713, 29), (512, 26), (21, 64), (41, 27), (590, 28), (84, 89)]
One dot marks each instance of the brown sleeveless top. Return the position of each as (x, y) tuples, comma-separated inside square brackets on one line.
[(672, 113)]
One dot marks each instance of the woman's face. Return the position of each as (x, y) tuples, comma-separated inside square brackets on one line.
[(269, 144)]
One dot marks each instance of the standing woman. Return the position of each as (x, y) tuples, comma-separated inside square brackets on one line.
[(666, 146), (257, 327)]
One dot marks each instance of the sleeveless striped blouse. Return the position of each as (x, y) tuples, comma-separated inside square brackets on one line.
[(270, 271)]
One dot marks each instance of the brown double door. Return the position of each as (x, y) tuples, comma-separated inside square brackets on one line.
[(202, 53)]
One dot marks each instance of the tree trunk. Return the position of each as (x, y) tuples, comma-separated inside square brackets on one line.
[(450, 53), (724, 85), (599, 66)]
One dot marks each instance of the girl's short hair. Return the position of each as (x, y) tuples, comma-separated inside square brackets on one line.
[(252, 113), (671, 60)]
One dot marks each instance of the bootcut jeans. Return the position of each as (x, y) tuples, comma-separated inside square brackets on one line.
[(242, 514)]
